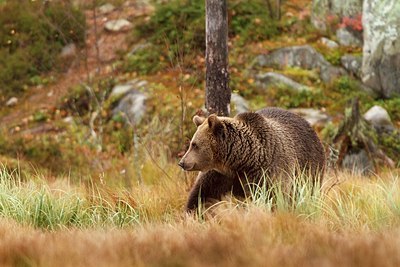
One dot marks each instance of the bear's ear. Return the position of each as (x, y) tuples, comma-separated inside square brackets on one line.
[(214, 123), (198, 120)]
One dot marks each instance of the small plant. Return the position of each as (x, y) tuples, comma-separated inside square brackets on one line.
[(287, 98), (144, 61), (40, 116), (390, 143), (353, 23)]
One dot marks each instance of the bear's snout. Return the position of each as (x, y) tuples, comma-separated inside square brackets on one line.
[(185, 165), (181, 164)]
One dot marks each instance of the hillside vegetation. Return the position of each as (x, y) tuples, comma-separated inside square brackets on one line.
[(84, 185)]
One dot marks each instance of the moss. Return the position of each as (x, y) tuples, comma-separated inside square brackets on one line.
[(303, 76), (31, 36)]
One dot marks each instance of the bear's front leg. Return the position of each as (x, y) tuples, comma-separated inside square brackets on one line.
[(209, 185)]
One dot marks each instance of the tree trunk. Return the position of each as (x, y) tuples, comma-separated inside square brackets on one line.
[(278, 9), (218, 93)]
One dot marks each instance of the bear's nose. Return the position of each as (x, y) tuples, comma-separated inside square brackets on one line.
[(181, 164)]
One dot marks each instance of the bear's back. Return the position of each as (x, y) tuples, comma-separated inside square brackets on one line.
[(304, 141)]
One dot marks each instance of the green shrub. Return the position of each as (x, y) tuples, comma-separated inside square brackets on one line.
[(342, 90), (178, 24), (31, 36), (287, 98), (251, 21), (390, 143), (85, 98), (144, 61), (177, 30)]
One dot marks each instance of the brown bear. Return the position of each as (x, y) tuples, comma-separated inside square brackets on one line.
[(233, 153)]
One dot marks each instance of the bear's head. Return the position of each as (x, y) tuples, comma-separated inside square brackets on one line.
[(204, 152)]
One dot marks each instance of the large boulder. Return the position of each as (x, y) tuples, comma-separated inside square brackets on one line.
[(272, 79), (346, 37), (239, 104), (122, 89), (379, 118), (358, 162), (305, 57), (314, 117), (325, 11), (381, 51), (329, 43), (132, 107), (132, 101), (352, 63)]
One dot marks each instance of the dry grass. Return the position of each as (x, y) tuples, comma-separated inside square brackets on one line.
[(244, 238), (356, 224)]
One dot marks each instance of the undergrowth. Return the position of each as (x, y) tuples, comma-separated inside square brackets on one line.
[(176, 31), (31, 37)]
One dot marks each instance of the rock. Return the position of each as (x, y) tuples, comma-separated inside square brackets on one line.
[(139, 47), (12, 102), (240, 104), (347, 38), (132, 101), (118, 25), (324, 12), (358, 163), (68, 119), (379, 118), (68, 51), (329, 43), (122, 89), (381, 51), (270, 79), (352, 64), (304, 57), (106, 8), (314, 117), (132, 107)]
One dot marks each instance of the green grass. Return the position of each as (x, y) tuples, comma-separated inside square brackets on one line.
[(353, 204), (35, 203)]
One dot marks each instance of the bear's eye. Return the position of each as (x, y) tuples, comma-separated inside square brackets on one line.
[(194, 145)]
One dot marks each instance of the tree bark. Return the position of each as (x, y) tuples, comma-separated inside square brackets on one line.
[(218, 93)]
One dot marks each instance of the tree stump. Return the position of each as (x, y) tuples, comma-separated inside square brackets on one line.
[(356, 135)]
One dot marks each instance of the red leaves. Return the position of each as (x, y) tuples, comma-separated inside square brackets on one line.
[(354, 23)]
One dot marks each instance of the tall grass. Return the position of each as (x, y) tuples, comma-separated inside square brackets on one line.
[(355, 203), (352, 202), (354, 223), (35, 203)]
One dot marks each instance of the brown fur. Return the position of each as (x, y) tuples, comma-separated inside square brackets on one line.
[(232, 152)]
